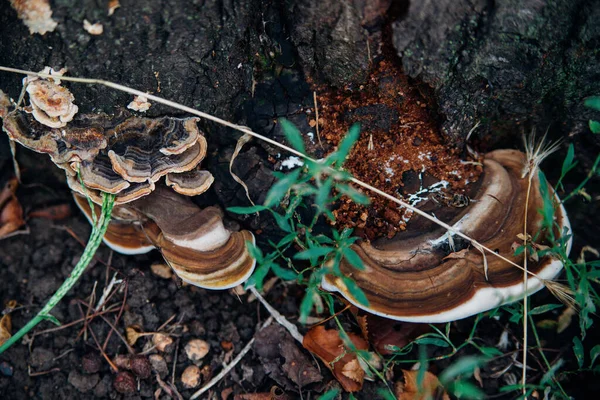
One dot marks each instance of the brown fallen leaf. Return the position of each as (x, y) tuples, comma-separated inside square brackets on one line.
[(429, 388), (329, 347), (11, 212), (383, 333), (5, 328), (354, 371), (53, 213)]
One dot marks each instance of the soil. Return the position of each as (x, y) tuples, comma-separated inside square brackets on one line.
[(252, 62)]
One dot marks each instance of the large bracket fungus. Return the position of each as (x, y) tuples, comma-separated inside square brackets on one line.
[(426, 274), (127, 156)]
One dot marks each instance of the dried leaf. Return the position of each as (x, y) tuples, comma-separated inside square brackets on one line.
[(5, 328), (112, 6), (53, 213), (457, 254), (410, 390), (11, 212), (238, 147), (329, 347), (565, 319), (354, 371)]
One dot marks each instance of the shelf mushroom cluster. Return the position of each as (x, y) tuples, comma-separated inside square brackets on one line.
[(426, 274), (127, 156)]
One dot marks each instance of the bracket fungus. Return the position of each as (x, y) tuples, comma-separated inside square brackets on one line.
[(426, 274), (127, 156), (193, 241)]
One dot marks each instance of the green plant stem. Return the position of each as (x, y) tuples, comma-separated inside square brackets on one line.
[(93, 243), (589, 176)]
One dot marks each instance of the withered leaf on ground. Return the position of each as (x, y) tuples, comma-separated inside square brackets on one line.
[(283, 360), (53, 213), (11, 212), (383, 332), (330, 348), (5, 328), (430, 387)]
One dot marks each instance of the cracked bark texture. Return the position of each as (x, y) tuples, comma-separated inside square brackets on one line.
[(506, 63)]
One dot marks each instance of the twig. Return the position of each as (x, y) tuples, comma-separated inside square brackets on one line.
[(114, 281), (229, 367), (174, 363), (291, 328), (317, 118), (118, 317)]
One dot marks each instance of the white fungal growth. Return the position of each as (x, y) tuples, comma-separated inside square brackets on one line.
[(51, 104), (292, 162), (139, 103), (35, 14)]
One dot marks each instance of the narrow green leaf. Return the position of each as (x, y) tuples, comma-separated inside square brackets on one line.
[(593, 102), (258, 276), (354, 194), (280, 188), (490, 351), (355, 291), (287, 239), (282, 222), (464, 366), (51, 318), (346, 144), (547, 377), (578, 350), (254, 251), (246, 210), (385, 394), (432, 342), (317, 251), (594, 126), (353, 258), (594, 353), (568, 162), (292, 134), (283, 273), (466, 390), (544, 309), (307, 304), (329, 395)]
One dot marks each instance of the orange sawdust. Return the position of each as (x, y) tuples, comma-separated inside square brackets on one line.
[(398, 134)]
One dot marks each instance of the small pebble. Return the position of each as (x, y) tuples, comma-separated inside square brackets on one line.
[(162, 271), (159, 365), (161, 341), (6, 369), (91, 363), (196, 349), (191, 377), (83, 383)]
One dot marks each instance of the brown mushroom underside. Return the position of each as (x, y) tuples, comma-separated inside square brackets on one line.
[(416, 274), (184, 234)]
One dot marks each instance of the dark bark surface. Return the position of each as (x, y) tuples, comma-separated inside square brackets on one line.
[(510, 64)]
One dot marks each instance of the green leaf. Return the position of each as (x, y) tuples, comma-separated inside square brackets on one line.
[(307, 304), (385, 394), (593, 102), (283, 273), (432, 341), (292, 134), (287, 239), (464, 366), (254, 251), (346, 145), (322, 197), (490, 351), (354, 195), (594, 353), (594, 126), (317, 251), (353, 258), (329, 395), (258, 276), (466, 390), (280, 188), (282, 222), (568, 163), (547, 377), (355, 291), (246, 210), (51, 318), (578, 350), (544, 309)]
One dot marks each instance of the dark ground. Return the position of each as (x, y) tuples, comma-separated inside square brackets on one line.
[(208, 53)]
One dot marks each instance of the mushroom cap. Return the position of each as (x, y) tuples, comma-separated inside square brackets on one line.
[(417, 277), (119, 154), (51, 104), (193, 241), (191, 183)]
